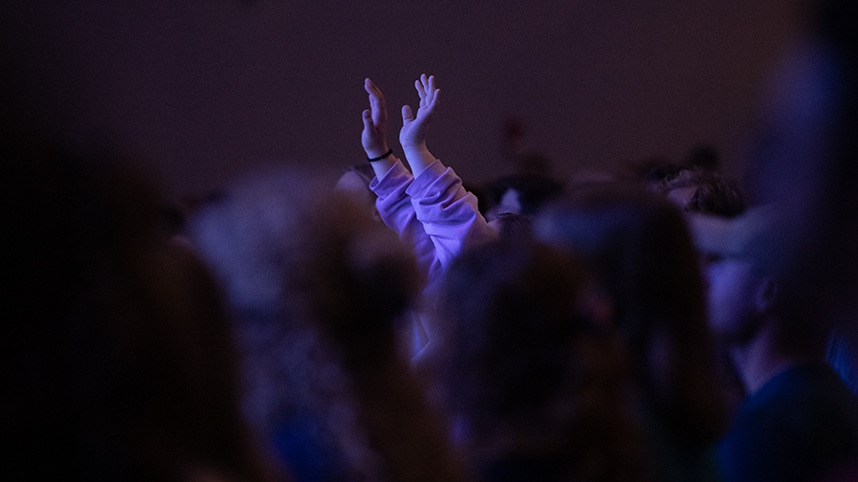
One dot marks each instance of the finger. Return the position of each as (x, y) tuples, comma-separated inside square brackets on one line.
[(428, 107), (376, 98), (431, 88), (376, 102), (373, 90), (436, 99), (430, 93), (425, 82), (380, 116), (367, 120), (419, 87), (379, 110), (407, 114)]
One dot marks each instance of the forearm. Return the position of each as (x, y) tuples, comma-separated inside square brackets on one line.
[(418, 157), (447, 212)]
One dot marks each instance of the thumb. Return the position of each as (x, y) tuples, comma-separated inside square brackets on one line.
[(407, 114), (367, 120)]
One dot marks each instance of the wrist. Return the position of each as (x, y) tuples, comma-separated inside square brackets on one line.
[(413, 145), (418, 158), (416, 150), (375, 152), (386, 155)]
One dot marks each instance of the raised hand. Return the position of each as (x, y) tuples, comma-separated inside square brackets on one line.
[(374, 135), (415, 127)]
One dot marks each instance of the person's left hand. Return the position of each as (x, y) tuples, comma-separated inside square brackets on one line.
[(414, 128)]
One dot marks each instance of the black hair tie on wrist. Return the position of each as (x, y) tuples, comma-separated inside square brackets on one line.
[(389, 152)]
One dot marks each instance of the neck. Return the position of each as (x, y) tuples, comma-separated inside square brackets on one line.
[(765, 356)]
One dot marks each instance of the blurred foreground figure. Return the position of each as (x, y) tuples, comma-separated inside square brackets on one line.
[(534, 388), (787, 269), (316, 286), (117, 360), (799, 419), (637, 245), (804, 162), (703, 192)]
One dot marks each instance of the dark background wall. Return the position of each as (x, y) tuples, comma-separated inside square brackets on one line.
[(200, 90)]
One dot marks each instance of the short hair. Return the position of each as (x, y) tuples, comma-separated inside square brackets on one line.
[(512, 225), (534, 190), (657, 171), (715, 195)]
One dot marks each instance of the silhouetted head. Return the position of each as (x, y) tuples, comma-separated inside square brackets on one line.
[(316, 286), (119, 362), (521, 194), (637, 244), (529, 377), (703, 192), (356, 181), (751, 282)]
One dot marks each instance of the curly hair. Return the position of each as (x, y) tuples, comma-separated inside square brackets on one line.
[(715, 194)]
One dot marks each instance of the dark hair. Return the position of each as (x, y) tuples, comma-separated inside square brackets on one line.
[(637, 243), (715, 194), (657, 171), (119, 361), (317, 287), (704, 157), (511, 225), (535, 381), (533, 190)]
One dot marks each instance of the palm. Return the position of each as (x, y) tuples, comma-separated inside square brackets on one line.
[(415, 127), (374, 135)]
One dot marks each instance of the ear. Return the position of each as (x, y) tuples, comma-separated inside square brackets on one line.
[(767, 292)]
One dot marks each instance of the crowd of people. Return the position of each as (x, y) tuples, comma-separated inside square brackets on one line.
[(662, 322)]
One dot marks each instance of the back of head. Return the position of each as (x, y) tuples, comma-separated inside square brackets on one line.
[(638, 244), (285, 246), (317, 286), (710, 193), (533, 191), (538, 387), (356, 180), (307, 272), (127, 363), (639, 247), (512, 226)]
